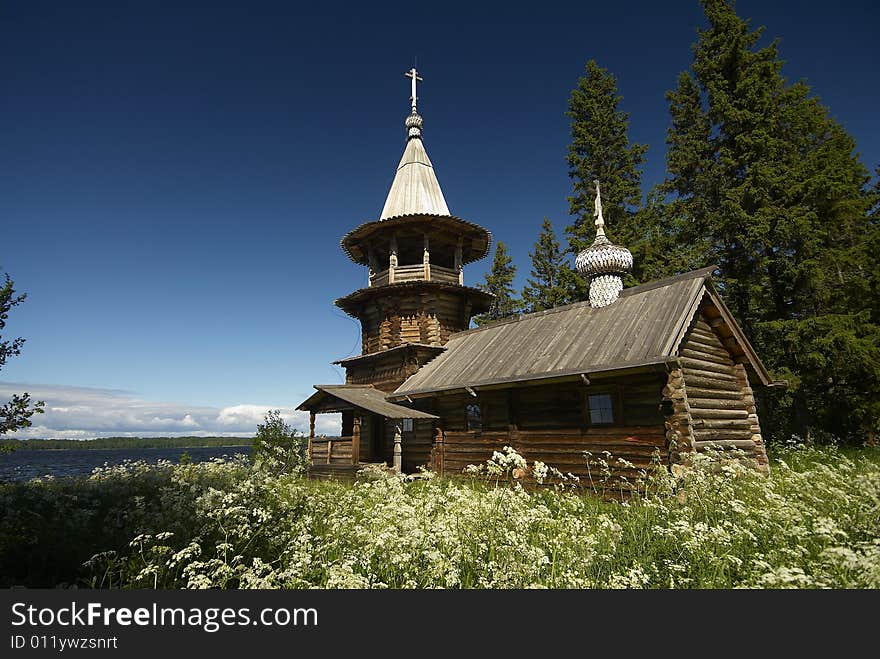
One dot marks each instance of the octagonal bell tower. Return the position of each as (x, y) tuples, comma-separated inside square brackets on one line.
[(415, 252)]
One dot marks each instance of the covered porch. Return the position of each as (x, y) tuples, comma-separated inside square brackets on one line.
[(374, 431)]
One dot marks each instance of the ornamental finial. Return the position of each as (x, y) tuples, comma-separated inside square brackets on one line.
[(413, 121), (600, 221), (603, 263)]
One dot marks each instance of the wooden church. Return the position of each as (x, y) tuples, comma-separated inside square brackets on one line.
[(659, 369)]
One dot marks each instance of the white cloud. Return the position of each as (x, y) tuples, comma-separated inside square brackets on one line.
[(84, 412), (238, 415)]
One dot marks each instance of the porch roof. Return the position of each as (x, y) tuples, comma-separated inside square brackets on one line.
[(336, 397)]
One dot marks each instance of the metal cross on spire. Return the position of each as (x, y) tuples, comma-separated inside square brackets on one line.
[(412, 73)]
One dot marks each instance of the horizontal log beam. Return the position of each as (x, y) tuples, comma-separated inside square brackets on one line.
[(726, 443), (734, 404), (690, 371), (727, 371), (703, 331), (704, 382), (721, 424), (710, 392), (715, 356), (714, 413), (715, 434)]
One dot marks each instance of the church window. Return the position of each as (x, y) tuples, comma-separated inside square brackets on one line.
[(474, 417), (601, 409)]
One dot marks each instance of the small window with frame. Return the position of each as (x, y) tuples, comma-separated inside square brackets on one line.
[(601, 409), (474, 416), (407, 425)]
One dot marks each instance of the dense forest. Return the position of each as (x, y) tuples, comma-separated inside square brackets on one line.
[(763, 183)]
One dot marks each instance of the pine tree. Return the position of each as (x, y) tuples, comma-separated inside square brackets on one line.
[(499, 282), (545, 288), (600, 149), (766, 185)]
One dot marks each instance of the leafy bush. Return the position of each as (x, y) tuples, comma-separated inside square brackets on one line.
[(225, 524), (279, 449)]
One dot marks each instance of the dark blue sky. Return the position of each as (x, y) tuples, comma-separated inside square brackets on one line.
[(175, 177)]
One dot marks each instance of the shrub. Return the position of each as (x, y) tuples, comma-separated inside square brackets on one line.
[(225, 524), (277, 448)]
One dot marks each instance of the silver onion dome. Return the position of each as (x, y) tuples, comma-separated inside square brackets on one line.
[(603, 263), (604, 258), (414, 123)]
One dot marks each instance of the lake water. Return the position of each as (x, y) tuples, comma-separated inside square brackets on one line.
[(24, 465)]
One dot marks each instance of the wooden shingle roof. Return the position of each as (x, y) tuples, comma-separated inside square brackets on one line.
[(336, 397), (643, 327), (415, 188)]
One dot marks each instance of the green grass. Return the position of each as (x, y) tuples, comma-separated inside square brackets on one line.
[(814, 523)]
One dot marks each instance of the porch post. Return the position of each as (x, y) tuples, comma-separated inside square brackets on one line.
[(398, 448), (356, 440), (371, 259), (311, 436), (426, 259), (438, 451), (458, 264), (392, 259)]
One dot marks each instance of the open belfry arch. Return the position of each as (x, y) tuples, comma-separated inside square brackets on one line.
[(658, 371)]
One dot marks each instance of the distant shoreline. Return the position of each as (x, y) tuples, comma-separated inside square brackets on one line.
[(124, 442)]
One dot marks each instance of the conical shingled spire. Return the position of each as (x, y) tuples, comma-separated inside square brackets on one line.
[(415, 189)]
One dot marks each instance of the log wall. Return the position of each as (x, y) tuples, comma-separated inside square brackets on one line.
[(678, 424), (428, 317), (719, 404), (550, 423), (386, 374)]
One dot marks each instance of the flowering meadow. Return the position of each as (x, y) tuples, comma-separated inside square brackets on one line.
[(815, 523)]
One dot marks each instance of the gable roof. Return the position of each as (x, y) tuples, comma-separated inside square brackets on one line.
[(335, 397), (644, 327)]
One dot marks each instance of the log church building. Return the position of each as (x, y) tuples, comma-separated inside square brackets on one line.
[(661, 369)]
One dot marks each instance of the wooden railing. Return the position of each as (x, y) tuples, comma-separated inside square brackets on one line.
[(446, 275), (379, 279), (417, 273), (331, 450)]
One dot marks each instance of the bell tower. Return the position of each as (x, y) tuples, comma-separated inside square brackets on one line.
[(415, 252)]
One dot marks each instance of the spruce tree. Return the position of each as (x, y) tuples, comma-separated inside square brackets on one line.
[(499, 282), (600, 149), (545, 288), (766, 185)]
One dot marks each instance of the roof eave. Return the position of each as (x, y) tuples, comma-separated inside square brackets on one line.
[(348, 241), (385, 407), (400, 394), (382, 353), (350, 303)]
